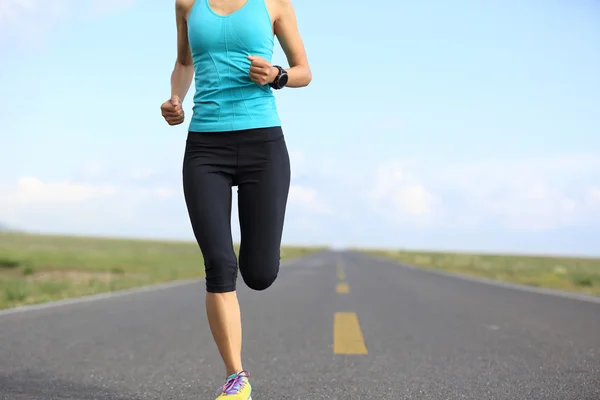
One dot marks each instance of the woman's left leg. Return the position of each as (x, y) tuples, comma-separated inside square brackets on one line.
[(263, 187)]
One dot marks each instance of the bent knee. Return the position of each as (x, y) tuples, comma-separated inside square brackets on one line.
[(260, 282), (259, 277)]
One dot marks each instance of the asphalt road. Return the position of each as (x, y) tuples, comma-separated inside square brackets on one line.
[(334, 326)]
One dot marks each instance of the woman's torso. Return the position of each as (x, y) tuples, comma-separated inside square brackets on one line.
[(226, 98)]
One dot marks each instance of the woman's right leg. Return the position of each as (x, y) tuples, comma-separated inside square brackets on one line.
[(207, 180)]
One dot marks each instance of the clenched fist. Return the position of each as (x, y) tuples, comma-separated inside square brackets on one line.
[(172, 111), (261, 71)]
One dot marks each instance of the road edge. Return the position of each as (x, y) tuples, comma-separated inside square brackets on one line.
[(118, 293), (99, 296), (493, 282)]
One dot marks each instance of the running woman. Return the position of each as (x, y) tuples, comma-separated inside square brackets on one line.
[(235, 139)]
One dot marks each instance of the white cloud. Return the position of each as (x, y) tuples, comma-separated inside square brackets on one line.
[(414, 199), (533, 206), (140, 173), (164, 192), (396, 192), (534, 194), (30, 190), (31, 203), (593, 198), (308, 199), (298, 164), (356, 204)]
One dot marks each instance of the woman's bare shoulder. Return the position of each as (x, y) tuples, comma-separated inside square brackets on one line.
[(281, 3), (279, 6), (184, 5)]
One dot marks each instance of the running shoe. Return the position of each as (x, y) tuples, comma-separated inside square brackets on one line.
[(237, 387)]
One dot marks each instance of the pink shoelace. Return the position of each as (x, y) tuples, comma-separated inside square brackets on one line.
[(235, 383)]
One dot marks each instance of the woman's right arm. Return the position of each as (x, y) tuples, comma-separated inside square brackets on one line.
[(183, 72)]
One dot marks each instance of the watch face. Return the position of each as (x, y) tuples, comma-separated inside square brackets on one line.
[(283, 79)]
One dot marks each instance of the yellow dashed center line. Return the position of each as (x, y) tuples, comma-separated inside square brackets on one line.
[(340, 271), (342, 288), (347, 335)]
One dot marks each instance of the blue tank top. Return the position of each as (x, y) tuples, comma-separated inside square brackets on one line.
[(226, 99)]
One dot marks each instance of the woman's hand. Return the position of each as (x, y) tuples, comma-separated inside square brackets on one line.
[(172, 111), (261, 71)]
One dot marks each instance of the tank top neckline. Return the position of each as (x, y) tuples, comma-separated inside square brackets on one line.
[(207, 4)]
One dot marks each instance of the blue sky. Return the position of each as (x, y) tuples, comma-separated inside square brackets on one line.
[(463, 125)]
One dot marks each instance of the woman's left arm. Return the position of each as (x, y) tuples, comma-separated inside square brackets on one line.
[(286, 29)]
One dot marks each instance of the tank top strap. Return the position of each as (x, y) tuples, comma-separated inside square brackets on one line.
[(258, 9)]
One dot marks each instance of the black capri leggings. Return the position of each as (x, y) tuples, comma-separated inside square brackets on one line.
[(257, 162)]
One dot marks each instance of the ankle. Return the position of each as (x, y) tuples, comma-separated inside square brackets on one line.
[(233, 371)]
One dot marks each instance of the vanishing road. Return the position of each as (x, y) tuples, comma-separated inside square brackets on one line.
[(336, 325)]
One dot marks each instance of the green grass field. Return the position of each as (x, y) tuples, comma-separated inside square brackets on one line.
[(562, 273), (40, 268)]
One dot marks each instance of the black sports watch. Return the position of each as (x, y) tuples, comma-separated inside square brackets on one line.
[(281, 79)]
